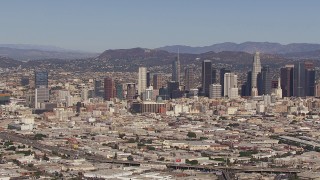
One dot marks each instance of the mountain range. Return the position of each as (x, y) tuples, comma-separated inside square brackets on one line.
[(24, 52), (249, 47)]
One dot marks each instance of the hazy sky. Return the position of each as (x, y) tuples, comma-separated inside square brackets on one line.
[(96, 25)]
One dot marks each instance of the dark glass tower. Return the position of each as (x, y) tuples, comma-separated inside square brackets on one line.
[(214, 76), (206, 76), (286, 76), (265, 87), (41, 78), (299, 77), (148, 79)]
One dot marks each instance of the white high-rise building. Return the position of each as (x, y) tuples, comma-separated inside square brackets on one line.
[(256, 69), (231, 85), (278, 91), (142, 80), (214, 91)]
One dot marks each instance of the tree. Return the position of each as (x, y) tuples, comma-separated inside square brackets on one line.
[(151, 148), (192, 162), (130, 158), (191, 135), (122, 135)]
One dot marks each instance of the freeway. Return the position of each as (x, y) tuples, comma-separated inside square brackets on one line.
[(222, 172)]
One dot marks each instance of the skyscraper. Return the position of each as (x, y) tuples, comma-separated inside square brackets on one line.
[(264, 81), (119, 90), (176, 70), (131, 91), (41, 78), (222, 72), (299, 77), (206, 76), (109, 88), (215, 91), (230, 85), (310, 79), (41, 95), (142, 80), (286, 75), (173, 90), (148, 79), (158, 81), (189, 79), (98, 89), (41, 88), (256, 69), (214, 76)]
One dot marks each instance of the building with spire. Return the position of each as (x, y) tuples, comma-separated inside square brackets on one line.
[(278, 90), (176, 69)]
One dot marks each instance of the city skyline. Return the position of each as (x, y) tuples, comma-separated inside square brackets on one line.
[(100, 25)]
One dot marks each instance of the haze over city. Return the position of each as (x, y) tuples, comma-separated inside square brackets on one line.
[(95, 26)]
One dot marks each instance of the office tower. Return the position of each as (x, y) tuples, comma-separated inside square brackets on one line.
[(98, 90), (109, 89), (41, 96), (256, 69), (41, 78), (148, 94), (299, 80), (214, 76), (131, 91), (163, 93), (176, 70), (230, 85), (189, 79), (222, 72), (148, 79), (119, 90), (310, 79), (264, 81), (215, 91), (286, 76), (173, 90), (142, 80), (158, 81), (41, 88), (206, 76)]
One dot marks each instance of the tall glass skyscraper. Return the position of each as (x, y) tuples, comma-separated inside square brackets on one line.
[(206, 76), (41, 78)]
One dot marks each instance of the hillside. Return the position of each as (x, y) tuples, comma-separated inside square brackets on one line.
[(250, 47)]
